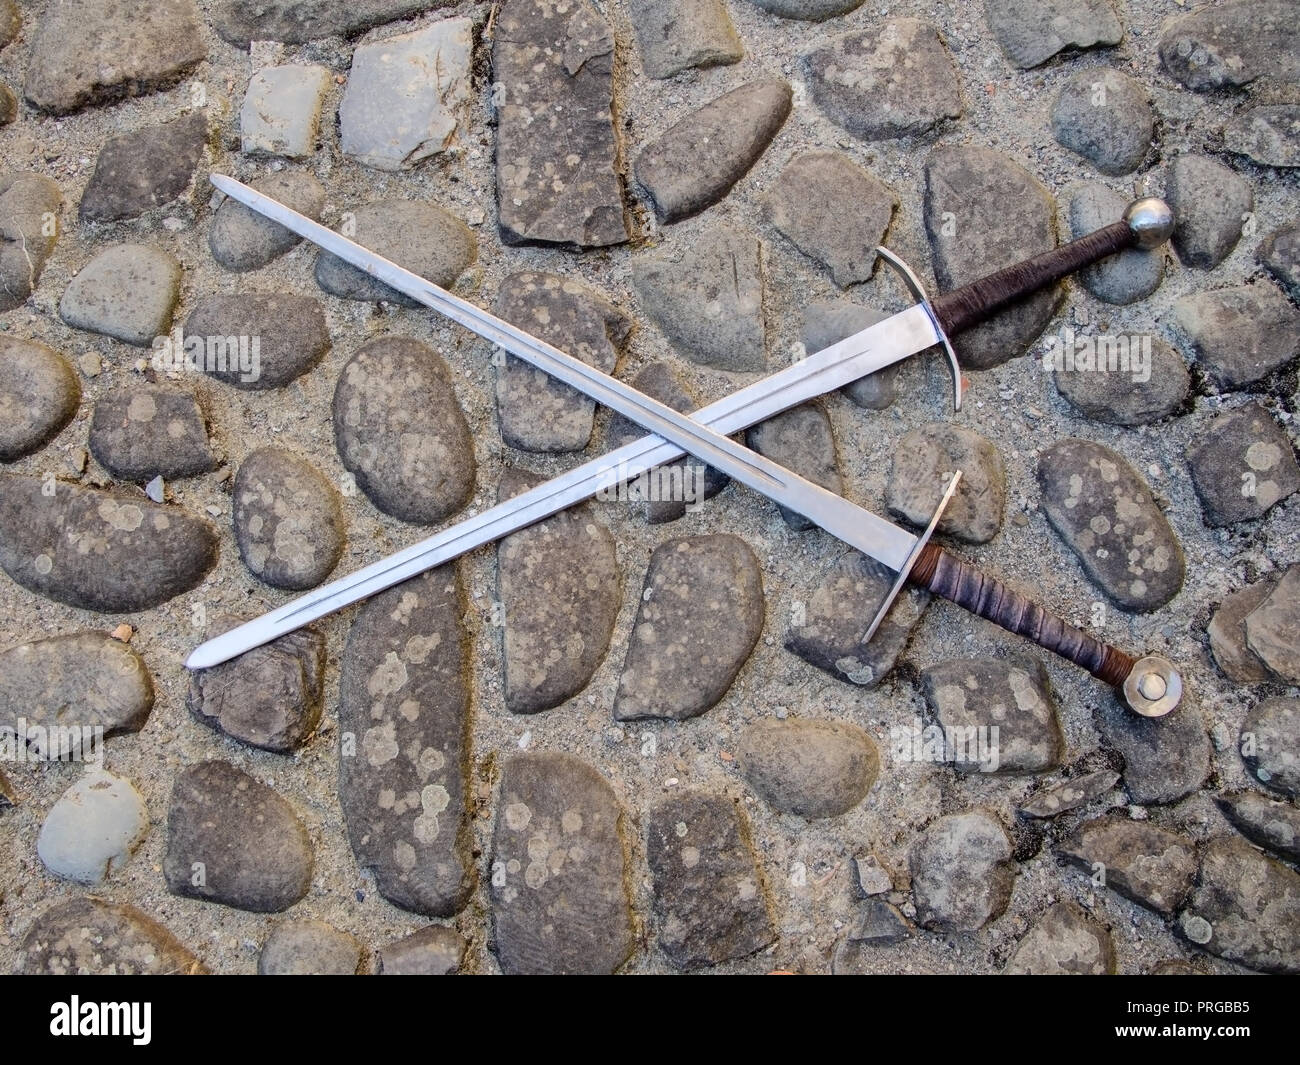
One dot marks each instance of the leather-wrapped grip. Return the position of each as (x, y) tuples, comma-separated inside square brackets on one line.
[(950, 577), (975, 303)]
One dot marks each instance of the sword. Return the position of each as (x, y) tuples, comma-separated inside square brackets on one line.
[(1150, 686)]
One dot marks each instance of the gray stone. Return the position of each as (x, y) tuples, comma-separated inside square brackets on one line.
[(1154, 384), (537, 412), (404, 701), (126, 292), (827, 322), (288, 520), (139, 432), (1106, 117), (811, 768), (1280, 256), (88, 52), (707, 298), (1174, 967), (432, 951), (39, 394), (708, 892), (8, 796), (84, 679), (1225, 46), (1240, 335), (269, 697), (1210, 203), (828, 630), (559, 885), (1270, 744), (401, 432), (309, 948), (676, 35), (90, 832), (111, 551), (1267, 822), (559, 586), (1030, 32), (1252, 906), (1128, 277), (27, 203), (8, 105), (1267, 135), (1242, 466), (11, 21), (555, 125), (698, 619), (1065, 941), (407, 95), (89, 937), (281, 111), (972, 234), (279, 337), (879, 924), (893, 80), (833, 211), (972, 697), (809, 10), (695, 163), (962, 872), (698, 481), (143, 169), (800, 439), (1105, 514), (1273, 628), (924, 462), (1149, 865), (235, 841), (1165, 758), (416, 235), (870, 877), (1069, 794), (1227, 632), (241, 239), (296, 21)]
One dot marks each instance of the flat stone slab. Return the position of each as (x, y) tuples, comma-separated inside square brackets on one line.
[(1165, 758), (39, 395), (296, 21), (90, 548), (27, 203), (1030, 32), (676, 35), (281, 111), (90, 937), (1267, 135), (432, 951), (695, 163), (1106, 117), (1148, 382), (404, 714), (309, 948), (809, 10), (84, 679), (833, 211), (126, 292), (233, 840), (407, 95), (1273, 628), (1152, 866), (1227, 632), (962, 872), (1210, 203), (1267, 822), (1270, 744), (1238, 336), (1225, 46), (699, 616), (1279, 254), (90, 832), (241, 239), (140, 431), (144, 169), (1069, 794), (1065, 941), (811, 768), (1105, 514), (924, 463), (708, 892), (88, 52), (400, 430), (555, 125), (559, 877), (279, 337), (1242, 466)]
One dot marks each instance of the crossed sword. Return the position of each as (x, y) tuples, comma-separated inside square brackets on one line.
[(1150, 685)]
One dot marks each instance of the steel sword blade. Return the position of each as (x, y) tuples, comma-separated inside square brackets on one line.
[(904, 334)]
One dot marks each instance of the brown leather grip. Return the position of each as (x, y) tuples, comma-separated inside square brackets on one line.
[(948, 576), (977, 302)]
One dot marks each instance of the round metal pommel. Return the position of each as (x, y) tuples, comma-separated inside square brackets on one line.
[(1153, 687), (1151, 220)]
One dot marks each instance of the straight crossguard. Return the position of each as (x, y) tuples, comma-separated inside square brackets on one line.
[(1150, 686)]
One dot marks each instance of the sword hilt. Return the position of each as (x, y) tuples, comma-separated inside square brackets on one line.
[(1147, 223), (1149, 686)]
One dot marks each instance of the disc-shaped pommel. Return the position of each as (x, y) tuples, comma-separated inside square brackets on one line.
[(1151, 220), (1153, 687)]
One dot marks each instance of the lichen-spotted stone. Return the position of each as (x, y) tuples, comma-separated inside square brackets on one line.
[(404, 719)]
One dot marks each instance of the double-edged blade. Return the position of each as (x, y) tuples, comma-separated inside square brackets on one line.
[(701, 434)]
